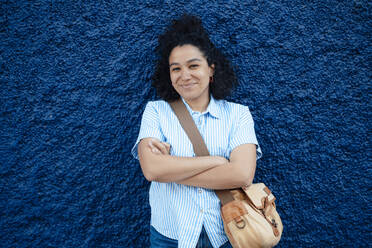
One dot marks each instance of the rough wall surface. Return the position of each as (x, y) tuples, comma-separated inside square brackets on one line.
[(74, 80)]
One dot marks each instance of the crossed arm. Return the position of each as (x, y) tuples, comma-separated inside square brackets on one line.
[(211, 172)]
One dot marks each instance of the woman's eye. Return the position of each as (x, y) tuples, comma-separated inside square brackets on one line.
[(175, 69), (194, 66)]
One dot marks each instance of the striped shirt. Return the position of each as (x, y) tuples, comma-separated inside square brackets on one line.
[(179, 211)]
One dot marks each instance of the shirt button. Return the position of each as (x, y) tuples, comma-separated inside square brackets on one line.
[(199, 191), (201, 211)]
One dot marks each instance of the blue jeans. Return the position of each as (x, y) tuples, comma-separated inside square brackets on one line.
[(158, 240)]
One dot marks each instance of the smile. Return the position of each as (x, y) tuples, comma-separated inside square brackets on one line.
[(187, 86)]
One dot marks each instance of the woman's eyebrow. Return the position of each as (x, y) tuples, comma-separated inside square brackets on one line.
[(188, 61), (192, 60), (173, 64)]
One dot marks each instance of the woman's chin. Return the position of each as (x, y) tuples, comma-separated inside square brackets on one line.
[(189, 97)]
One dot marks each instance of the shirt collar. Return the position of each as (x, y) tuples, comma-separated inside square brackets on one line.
[(212, 108)]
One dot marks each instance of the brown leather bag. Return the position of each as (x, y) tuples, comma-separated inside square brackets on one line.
[(249, 214)]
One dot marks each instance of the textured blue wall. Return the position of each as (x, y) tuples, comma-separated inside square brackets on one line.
[(75, 77)]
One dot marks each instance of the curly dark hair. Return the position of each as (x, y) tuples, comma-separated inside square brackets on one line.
[(188, 30)]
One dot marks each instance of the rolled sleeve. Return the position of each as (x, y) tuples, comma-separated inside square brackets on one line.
[(244, 131), (150, 127)]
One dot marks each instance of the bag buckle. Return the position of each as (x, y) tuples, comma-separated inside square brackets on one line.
[(239, 222)]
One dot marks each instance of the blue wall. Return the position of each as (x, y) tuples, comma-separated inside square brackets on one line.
[(74, 80)]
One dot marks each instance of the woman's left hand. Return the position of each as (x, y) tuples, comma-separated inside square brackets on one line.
[(159, 147)]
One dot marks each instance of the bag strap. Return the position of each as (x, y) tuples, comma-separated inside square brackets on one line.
[(197, 141)]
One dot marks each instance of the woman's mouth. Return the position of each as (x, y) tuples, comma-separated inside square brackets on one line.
[(188, 86)]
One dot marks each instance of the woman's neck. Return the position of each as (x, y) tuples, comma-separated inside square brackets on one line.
[(199, 105)]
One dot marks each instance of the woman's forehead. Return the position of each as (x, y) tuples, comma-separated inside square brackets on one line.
[(185, 54)]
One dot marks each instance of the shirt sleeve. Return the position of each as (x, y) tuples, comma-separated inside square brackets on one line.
[(150, 127), (244, 131)]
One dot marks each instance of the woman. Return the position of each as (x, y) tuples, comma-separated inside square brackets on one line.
[(185, 211)]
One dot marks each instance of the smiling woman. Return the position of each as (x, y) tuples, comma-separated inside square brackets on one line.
[(188, 30), (190, 75), (185, 211)]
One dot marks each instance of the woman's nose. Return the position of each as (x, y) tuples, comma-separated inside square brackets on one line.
[(185, 75)]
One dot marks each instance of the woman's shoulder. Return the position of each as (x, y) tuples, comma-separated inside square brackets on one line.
[(232, 107), (158, 105)]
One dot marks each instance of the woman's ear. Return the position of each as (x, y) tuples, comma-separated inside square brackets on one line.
[(211, 72)]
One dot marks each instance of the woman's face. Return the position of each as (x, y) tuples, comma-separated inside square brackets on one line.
[(190, 73)]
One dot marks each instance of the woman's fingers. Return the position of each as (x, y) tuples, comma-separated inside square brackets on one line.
[(167, 146), (156, 151), (159, 147), (152, 146)]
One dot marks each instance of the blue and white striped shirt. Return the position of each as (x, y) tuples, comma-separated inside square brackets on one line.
[(179, 211)]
